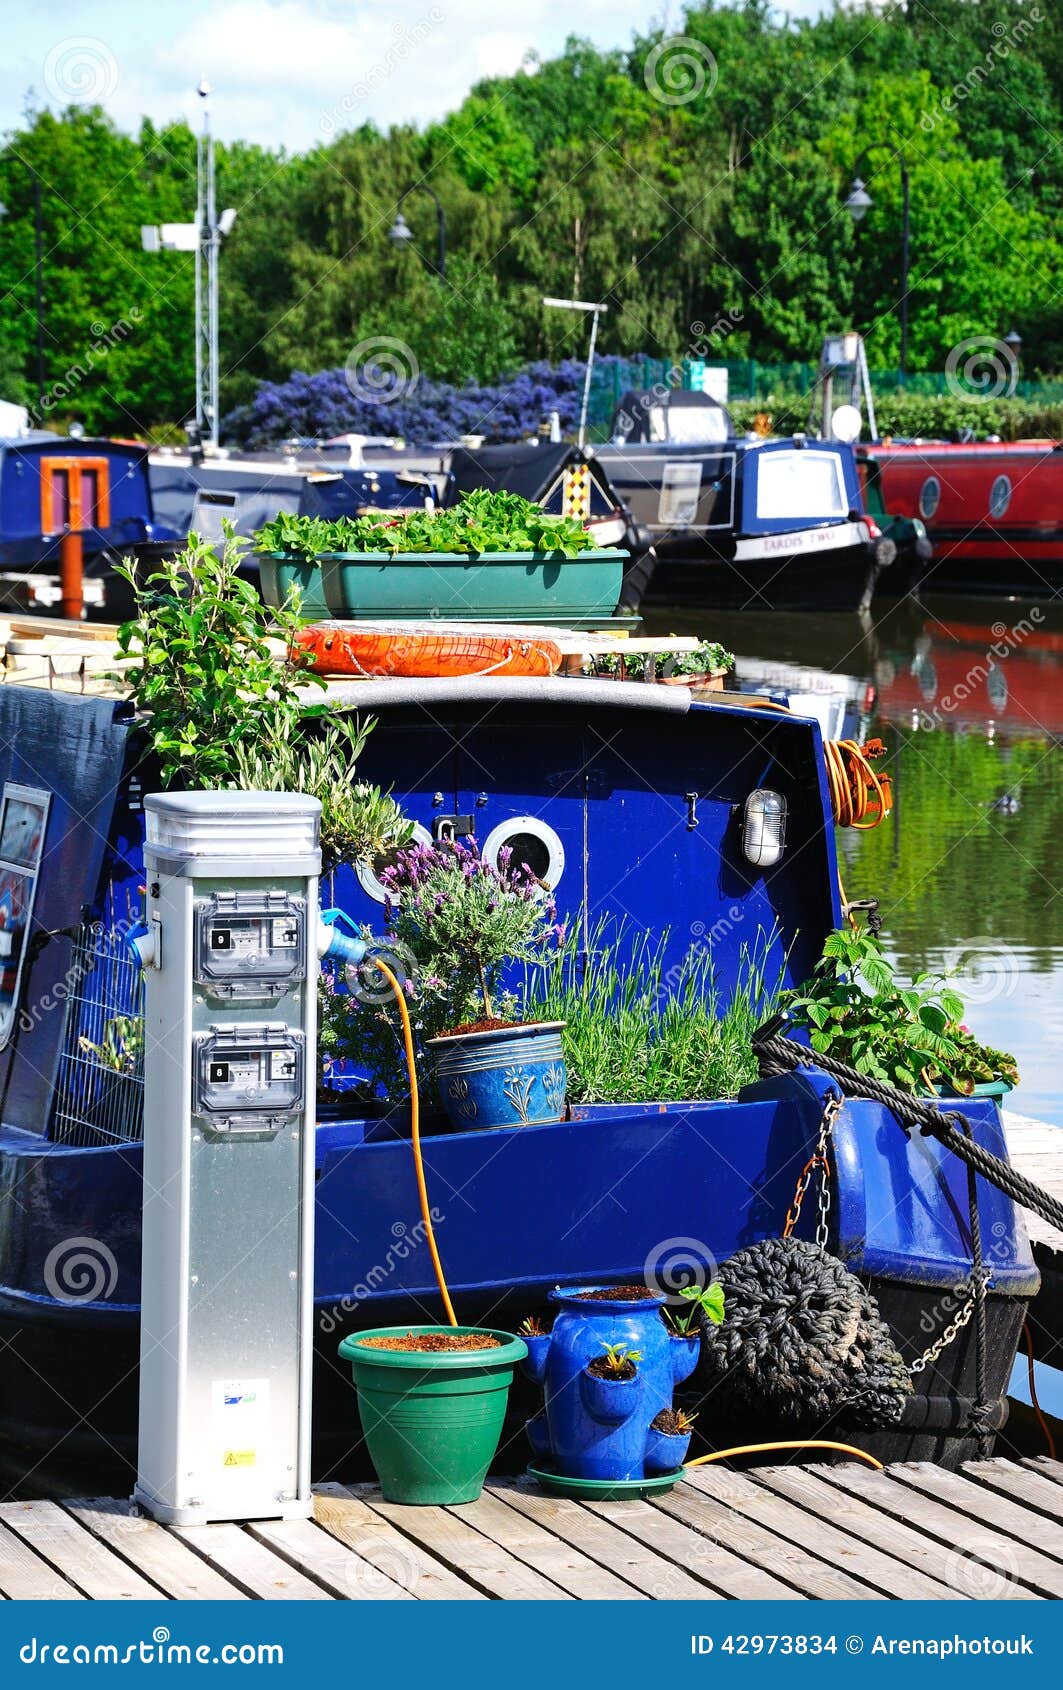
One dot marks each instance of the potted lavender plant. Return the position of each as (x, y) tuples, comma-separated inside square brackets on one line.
[(462, 921)]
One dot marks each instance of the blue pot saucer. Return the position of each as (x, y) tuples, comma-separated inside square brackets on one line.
[(604, 1490)]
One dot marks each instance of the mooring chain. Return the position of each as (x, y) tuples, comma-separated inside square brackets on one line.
[(954, 1327), (818, 1160)]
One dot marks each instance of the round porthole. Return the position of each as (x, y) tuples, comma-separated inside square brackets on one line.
[(368, 873), (999, 496), (532, 843), (929, 497)]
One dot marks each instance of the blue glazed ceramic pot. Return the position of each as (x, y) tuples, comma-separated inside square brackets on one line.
[(509, 1077), (600, 1428), (665, 1451)]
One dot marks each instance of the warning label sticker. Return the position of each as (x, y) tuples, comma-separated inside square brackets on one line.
[(239, 1458), (240, 1429)]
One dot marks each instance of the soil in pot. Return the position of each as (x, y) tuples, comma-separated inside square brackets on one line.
[(617, 1294), (667, 1421), (433, 1341), (490, 1024), (601, 1369)]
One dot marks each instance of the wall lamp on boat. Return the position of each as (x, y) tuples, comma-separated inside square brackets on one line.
[(764, 827)]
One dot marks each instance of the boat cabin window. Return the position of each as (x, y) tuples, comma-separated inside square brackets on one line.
[(800, 483), (929, 497), (688, 424), (532, 844), (23, 817)]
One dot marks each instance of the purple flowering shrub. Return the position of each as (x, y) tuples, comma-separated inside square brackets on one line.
[(319, 406)]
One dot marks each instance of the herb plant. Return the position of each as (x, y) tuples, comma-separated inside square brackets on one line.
[(227, 705), (122, 1046), (481, 521), (707, 1300), (618, 1362), (706, 659), (638, 1029), (910, 1036), (462, 919)]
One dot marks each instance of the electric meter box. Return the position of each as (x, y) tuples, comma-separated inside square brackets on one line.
[(227, 1302)]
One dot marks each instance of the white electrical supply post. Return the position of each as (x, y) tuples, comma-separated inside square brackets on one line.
[(596, 309), (231, 957)]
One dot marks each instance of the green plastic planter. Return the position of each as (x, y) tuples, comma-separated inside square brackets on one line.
[(278, 573), (538, 587), (432, 1420)]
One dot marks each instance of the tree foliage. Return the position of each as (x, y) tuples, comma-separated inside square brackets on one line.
[(574, 176)]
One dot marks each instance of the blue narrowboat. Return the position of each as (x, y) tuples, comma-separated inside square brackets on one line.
[(55, 485), (626, 800)]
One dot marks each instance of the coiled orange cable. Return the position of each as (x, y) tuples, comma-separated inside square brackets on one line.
[(859, 797)]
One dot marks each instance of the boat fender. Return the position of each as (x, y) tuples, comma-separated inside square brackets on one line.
[(803, 1340)]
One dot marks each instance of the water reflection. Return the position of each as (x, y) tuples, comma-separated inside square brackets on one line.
[(969, 698)]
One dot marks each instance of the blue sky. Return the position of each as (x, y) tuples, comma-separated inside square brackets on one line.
[(292, 72)]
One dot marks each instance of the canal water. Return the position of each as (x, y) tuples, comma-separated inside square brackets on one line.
[(968, 871)]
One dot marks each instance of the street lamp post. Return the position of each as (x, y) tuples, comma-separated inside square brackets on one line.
[(38, 272), (401, 233), (859, 203)]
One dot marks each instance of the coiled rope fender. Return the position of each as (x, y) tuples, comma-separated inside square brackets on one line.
[(777, 1055), (803, 1340), (859, 797)]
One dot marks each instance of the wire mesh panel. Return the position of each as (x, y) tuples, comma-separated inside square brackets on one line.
[(99, 1093)]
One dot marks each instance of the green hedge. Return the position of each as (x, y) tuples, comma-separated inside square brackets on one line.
[(931, 416)]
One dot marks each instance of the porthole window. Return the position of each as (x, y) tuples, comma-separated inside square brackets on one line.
[(532, 843), (369, 873), (930, 497), (999, 496)]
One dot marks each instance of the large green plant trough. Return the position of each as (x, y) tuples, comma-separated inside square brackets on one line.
[(539, 587)]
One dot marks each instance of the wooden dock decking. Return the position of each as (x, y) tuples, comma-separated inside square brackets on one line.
[(992, 1532)]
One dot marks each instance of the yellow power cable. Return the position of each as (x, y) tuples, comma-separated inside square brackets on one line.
[(415, 1134), (798, 1443)]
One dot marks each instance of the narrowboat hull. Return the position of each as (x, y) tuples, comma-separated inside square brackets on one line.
[(993, 512)]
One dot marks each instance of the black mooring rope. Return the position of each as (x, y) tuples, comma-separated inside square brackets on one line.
[(777, 1055)]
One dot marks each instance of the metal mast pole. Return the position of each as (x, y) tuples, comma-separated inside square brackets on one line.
[(206, 283)]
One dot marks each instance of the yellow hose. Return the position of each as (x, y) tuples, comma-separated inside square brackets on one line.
[(426, 1216), (798, 1443), (415, 1133)]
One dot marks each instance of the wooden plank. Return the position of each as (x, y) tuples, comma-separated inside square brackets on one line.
[(1044, 1465), (152, 1550), (869, 1524), (1035, 1149), (989, 1565), (1024, 1485), (350, 1520), (698, 1556), (658, 1556), (88, 1564), (869, 1570), (467, 1551), (239, 1557), (313, 1551), (24, 1577), (696, 1508), (1000, 1512), (549, 1554)]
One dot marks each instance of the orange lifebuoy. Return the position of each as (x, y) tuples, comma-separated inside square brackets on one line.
[(344, 648)]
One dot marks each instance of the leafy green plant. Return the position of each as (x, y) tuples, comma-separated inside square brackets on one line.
[(638, 1029), (531, 1327), (226, 704), (481, 521), (909, 1036), (122, 1045), (708, 658), (707, 1300), (618, 1362)]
